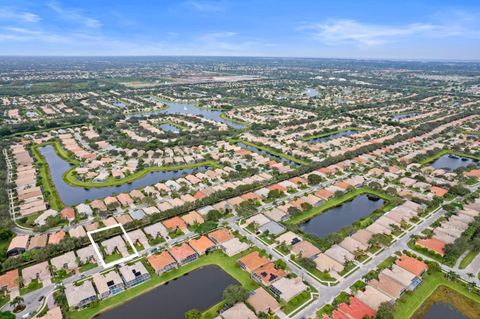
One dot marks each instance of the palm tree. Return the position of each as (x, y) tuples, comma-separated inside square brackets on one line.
[(16, 302)]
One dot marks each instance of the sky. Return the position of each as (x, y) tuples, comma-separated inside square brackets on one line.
[(387, 29)]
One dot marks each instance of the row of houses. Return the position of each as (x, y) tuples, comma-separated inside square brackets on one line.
[(451, 229), (104, 285), (405, 274)]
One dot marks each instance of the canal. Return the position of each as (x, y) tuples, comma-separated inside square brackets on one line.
[(200, 289), (72, 195), (452, 162), (190, 108), (268, 154), (341, 216), (332, 136)]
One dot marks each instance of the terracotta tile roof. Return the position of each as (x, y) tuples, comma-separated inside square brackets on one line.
[(277, 187), (201, 244), (56, 238), (9, 280), (68, 213), (268, 273), (342, 185), (181, 252), (438, 191), (412, 265), (161, 260), (433, 245), (220, 235), (174, 223), (253, 260), (356, 309)]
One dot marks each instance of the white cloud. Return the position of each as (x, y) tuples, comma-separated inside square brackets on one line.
[(74, 15), (347, 31), (18, 16)]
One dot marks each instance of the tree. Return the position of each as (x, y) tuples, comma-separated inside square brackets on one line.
[(193, 314), (234, 293), (280, 264), (214, 215), (17, 303), (6, 315), (385, 311), (314, 179)]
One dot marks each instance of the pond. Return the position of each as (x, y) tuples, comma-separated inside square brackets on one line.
[(200, 289), (169, 128), (332, 136), (267, 154), (190, 108), (442, 310), (311, 92), (341, 216), (452, 162), (72, 195)]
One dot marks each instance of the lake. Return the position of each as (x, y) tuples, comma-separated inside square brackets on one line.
[(190, 108), (200, 289), (442, 310), (267, 154), (169, 128), (332, 136), (452, 162), (311, 92), (72, 195), (341, 216)]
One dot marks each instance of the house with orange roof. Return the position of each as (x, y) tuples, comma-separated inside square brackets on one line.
[(56, 238), (202, 244), (324, 194), (220, 235), (438, 191), (125, 199), (9, 281), (342, 185), (298, 180), (277, 187), (267, 274), (183, 254), (473, 173), (412, 265), (111, 201), (124, 219), (68, 213), (174, 223), (193, 218), (432, 244), (252, 261), (250, 196), (356, 309), (199, 195), (98, 205), (162, 262)]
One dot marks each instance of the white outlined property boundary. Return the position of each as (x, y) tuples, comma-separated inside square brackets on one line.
[(99, 254)]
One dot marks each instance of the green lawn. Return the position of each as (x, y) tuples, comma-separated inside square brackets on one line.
[(468, 259), (334, 202), (113, 257), (271, 151), (439, 154), (296, 302), (87, 267), (408, 304), (470, 132), (311, 137), (32, 286), (229, 265)]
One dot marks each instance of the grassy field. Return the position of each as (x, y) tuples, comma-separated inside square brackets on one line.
[(435, 156), (334, 202), (468, 259), (229, 265), (408, 304), (471, 132), (311, 137), (271, 151)]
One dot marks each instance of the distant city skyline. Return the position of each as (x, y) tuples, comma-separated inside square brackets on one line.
[(412, 30)]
